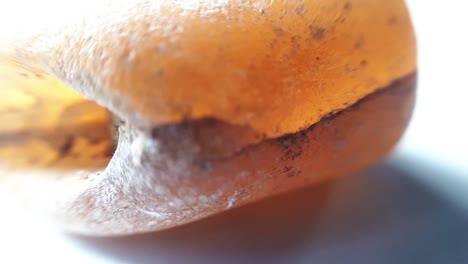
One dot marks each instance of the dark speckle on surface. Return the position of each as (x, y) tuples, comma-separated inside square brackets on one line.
[(295, 38), (292, 145), (295, 45), (347, 6), (300, 10), (317, 33), (279, 31), (205, 166), (24, 75), (291, 172), (273, 43), (392, 20), (67, 146), (39, 76), (359, 43)]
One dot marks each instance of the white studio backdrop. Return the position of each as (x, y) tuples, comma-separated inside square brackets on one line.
[(437, 136)]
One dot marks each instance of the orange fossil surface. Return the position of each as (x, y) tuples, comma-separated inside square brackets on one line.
[(211, 105)]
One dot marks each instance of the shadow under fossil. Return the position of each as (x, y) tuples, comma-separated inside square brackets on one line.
[(382, 215)]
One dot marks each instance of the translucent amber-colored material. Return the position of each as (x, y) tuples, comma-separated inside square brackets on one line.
[(218, 104), (276, 66), (46, 124)]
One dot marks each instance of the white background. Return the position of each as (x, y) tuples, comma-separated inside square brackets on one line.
[(413, 208)]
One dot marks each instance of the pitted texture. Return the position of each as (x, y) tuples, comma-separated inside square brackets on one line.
[(223, 103), (275, 66)]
